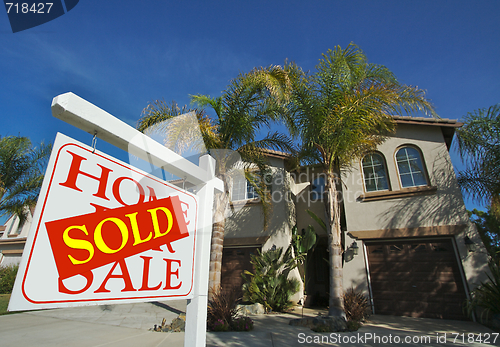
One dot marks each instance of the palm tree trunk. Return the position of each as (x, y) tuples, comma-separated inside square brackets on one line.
[(216, 255), (216, 248), (336, 303)]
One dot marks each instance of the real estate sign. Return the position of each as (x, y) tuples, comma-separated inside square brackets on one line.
[(104, 231)]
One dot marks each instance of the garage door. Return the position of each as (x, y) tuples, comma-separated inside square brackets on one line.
[(234, 262), (416, 279)]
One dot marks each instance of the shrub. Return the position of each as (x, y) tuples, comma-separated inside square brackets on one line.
[(356, 305), (242, 324), (270, 285), (7, 278), (321, 328), (219, 325), (353, 325), (221, 310), (487, 295)]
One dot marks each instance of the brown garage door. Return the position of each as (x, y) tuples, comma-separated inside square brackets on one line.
[(416, 279), (234, 262)]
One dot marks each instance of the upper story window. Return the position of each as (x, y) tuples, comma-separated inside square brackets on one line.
[(410, 167), (375, 172), (242, 189), (317, 188)]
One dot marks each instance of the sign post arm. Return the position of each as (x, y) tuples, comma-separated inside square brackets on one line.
[(196, 312), (79, 112)]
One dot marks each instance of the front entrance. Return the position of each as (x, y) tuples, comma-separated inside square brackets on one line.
[(317, 275), (419, 278), (234, 262)]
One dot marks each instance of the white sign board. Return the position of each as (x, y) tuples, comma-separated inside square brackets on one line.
[(105, 232)]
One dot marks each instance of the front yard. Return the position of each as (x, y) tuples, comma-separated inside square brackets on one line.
[(4, 302)]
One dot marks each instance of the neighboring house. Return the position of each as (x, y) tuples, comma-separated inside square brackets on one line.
[(403, 212), (13, 239)]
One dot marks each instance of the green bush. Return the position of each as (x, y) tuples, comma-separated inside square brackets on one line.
[(270, 285), (487, 295), (219, 325), (353, 325), (356, 306), (7, 278), (321, 328), (242, 324)]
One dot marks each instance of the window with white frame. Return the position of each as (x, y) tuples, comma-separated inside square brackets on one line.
[(375, 173), (410, 167), (242, 189)]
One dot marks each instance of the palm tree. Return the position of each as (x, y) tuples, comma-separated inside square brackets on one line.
[(479, 146), (340, 112), (21, 174), (249, 104)]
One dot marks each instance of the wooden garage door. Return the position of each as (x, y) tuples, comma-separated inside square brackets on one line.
[(416, 279), (234, 262)]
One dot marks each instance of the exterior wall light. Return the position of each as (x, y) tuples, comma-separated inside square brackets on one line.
[(354, 247), (471, 246)]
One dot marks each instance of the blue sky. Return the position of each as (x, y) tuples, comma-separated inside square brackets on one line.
[(120, 55)]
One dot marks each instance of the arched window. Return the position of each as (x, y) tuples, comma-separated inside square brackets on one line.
[(411, 169), (375, 172)]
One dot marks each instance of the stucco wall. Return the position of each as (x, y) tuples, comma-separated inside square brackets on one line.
[(444, 207), (247, 221), (248, 217), (305, 201), (13, 240), (12, 228)]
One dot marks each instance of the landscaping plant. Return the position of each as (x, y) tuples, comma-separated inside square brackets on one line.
[(242, 324), (222, 313), (356, 305), (221, 309), (270, 285), (7, 278), (487, 295), (302, 244)]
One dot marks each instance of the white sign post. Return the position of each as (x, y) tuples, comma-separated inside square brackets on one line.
[(72, 224)]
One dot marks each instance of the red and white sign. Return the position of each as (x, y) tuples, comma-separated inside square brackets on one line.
[(104, 231)]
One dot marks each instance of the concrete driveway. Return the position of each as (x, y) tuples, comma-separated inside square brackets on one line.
[(129, 324)]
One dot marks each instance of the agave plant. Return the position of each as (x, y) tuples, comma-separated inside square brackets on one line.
[(270, 285), (487, 295)]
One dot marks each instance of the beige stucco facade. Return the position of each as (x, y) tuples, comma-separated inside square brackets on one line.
[(426, 212), (247, 225), (13, 239), (414, 213)]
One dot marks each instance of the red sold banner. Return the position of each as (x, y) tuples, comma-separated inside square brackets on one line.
[(89, 241)]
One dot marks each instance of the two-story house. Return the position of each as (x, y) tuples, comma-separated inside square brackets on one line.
[(406, 229)]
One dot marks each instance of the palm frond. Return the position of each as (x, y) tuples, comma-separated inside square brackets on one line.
[(21, 174), (478, 143), (316, 219)]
